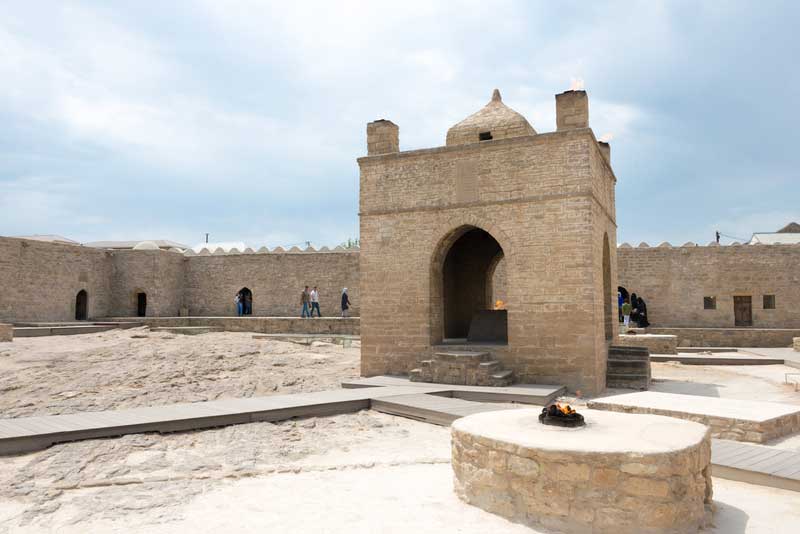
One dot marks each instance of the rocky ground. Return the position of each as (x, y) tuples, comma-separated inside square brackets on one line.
[(130, 368), (359, 472)]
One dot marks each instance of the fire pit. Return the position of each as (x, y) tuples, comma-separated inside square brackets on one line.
[(558, 414), (618, 473)]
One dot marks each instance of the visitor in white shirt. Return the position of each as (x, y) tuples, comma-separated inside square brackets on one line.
[(315, 302)]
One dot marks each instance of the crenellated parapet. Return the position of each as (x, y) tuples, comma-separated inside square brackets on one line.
[(219, 251)]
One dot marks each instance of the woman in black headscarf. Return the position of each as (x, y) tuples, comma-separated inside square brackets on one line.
[(634, 308), (643, 322)]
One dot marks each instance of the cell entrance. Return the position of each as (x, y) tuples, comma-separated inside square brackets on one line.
[(469, 313), (81, 305), (141, 304), (246, 301)]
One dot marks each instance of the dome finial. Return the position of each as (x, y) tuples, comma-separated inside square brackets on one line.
[(496, 96)]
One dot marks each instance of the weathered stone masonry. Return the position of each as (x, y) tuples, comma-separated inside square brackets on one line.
[(546, 199), (39, 281)]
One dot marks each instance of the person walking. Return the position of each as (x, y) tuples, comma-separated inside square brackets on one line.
[(315, 302), (305, 298), (239, 304), (345, 302), (626, 313)]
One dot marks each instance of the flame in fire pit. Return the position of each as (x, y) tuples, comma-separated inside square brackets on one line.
[(560, 414), (566, 409)]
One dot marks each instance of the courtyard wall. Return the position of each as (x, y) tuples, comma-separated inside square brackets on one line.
[(157, 273), (276, 280), (674, 281), (39, 281)]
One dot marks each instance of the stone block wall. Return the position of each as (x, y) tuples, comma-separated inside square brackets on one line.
[(796, 344), (730, 337), (655, 343), (674, 280), (275, 279), (157, 273), (39, 281)]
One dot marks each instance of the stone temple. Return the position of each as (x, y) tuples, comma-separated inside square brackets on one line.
[(436, 223)]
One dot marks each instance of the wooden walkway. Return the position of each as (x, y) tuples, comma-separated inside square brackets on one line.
[(27, 434), (539, 394), (740, 358), (433, 409), (756, 464)]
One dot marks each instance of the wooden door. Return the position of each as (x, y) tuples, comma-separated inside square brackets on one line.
[(743, 311)]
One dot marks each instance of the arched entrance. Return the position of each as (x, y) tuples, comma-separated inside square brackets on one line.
[(467, 310), (81, 305), (246, 299), (141, 304)]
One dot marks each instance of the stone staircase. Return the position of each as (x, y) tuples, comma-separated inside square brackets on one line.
[(628, 367), (464, 368)]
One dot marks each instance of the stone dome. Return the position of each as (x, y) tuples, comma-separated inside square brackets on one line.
[(146, 245), (494, 121)]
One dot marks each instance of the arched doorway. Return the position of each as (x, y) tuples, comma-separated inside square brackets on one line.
[(246, 300), (608, 310), (141, 304), (81, 305), (467, 309)]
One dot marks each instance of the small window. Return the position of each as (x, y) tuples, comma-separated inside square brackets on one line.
[(485, 136), (709, 303), (769, 302)]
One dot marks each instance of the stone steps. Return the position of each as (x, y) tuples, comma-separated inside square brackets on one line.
[(463, 368), (628, 367)]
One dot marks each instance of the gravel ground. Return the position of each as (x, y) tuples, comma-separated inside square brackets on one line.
[(131, 368)]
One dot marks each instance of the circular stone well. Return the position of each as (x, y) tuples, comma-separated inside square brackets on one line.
[(619, 473)]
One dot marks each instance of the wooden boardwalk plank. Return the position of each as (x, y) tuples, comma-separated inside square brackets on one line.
[(756, 464)]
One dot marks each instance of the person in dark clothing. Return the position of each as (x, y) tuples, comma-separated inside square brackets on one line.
[(643, 322), (634, 308), (345, 302)]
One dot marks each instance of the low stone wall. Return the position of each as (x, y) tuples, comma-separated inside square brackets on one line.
[(6, 332), (622, 474), (729, 337), (263, 325), (796, 344), (721, 427), (655, 343)]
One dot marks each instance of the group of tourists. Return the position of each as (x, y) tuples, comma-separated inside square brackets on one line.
[(309, 299), (633, 308)]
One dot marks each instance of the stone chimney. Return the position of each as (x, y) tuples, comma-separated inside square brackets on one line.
[(572, 110), (605, 149), (383, 137)]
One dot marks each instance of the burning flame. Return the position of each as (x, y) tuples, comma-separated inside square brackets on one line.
[(566, 409), (606, 137), (499, 305), (576, 84)]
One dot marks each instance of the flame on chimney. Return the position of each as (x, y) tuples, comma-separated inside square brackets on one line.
[(576, 84), (606, 137)]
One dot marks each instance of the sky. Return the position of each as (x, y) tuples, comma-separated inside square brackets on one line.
[(243, 118)]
